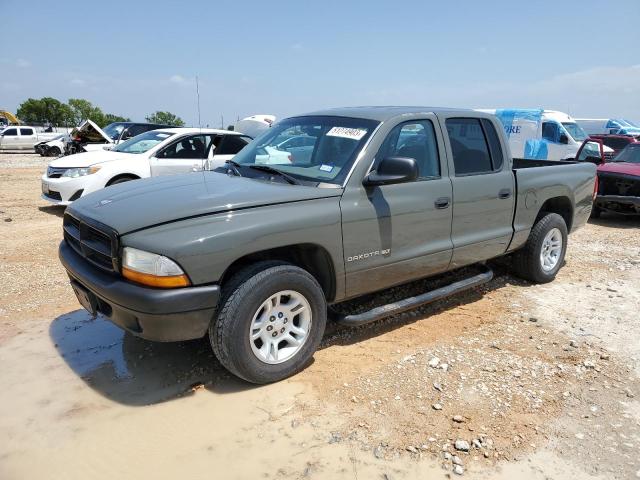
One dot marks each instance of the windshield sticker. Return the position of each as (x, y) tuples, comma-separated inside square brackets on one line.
[(326, 168), (351, 133), (163, 135)]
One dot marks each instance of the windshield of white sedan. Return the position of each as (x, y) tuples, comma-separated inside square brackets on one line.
[(143, 142), (317, 149)]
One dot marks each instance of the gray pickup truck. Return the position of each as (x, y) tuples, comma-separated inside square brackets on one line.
[(320, 209)]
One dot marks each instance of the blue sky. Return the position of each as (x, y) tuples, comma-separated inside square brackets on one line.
[(288, 57)]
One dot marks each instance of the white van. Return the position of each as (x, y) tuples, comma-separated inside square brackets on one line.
[(540, 134), (611, 126)]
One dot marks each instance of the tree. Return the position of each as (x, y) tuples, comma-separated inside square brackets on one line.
[(165, 118), (111, 118), (44, 110), (84, 110)]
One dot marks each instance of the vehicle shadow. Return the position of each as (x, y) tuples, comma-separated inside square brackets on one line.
[(616, 220), (57, 210), (137, 372), (341, 336), (133, 371)]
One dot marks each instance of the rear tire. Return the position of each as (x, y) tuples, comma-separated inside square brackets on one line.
[(543, 255), (280, 303)]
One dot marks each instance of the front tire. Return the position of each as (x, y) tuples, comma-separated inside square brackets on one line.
[(270, 323), (543, 255)]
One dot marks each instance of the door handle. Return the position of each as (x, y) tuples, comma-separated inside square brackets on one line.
[(504, 193), (442, 202)]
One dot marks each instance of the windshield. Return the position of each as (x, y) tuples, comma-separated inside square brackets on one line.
[(143, 142), (316, 149), (113, 130), (630, 154), (576, 132)]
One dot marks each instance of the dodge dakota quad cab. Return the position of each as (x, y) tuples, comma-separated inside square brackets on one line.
[(254, 253)]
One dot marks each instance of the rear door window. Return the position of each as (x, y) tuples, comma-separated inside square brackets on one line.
[(469, 146), (26, 131), (494, 143)]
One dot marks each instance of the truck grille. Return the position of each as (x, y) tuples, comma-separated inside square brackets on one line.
[(55, 172), (618, 184), (97, 243)]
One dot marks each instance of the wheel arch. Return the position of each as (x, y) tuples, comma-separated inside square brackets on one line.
[(561, 205), (131, 176), (311, 257)]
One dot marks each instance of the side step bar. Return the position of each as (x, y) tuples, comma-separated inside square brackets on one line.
[(414, 302)]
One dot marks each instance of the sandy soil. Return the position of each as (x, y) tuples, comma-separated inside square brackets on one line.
[(539, 381)]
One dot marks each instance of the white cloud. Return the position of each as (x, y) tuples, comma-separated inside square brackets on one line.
[(595, 92), (22, 63), (179, 79)]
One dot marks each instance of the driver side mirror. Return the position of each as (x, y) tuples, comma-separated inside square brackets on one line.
[(392, 170), (564, 139)]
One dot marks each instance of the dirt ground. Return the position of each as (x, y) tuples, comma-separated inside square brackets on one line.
[(510, 381)]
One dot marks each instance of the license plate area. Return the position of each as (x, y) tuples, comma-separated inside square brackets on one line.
[(87, 299)]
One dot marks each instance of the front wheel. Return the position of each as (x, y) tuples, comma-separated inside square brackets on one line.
[(543, 255), (270, 322)]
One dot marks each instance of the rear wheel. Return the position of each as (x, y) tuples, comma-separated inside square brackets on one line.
[(543, 255), (270, 323)]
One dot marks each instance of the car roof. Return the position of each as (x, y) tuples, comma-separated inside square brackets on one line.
[(188, 130), (383, 113)]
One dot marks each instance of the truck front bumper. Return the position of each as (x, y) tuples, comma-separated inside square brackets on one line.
[(625, 205), (163, 315)]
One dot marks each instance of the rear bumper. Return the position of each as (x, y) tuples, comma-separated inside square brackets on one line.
[(163, 315)]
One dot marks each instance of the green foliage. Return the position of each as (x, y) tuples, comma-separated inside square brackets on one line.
[(46, 109), (84, 109), (50, 110), (165, 118), (111, 118)]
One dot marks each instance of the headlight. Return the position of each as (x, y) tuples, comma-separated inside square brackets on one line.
[(80, 172), (152, 269)]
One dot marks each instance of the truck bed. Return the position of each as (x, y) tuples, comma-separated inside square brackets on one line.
[(539, 180)]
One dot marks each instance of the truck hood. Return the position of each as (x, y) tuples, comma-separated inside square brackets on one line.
[(86, 159), (145, 203), (625, 168), (89, 132)]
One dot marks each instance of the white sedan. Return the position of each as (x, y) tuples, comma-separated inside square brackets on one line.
[(158, 152)]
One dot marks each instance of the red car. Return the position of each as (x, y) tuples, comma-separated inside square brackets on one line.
[(615, 142), (618, 185)]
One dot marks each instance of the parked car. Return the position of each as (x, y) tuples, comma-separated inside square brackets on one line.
[(610, 126), (615, 142), (23, 137), (89, 137), (541, 134), (52, 148), (255, 124), (158, 152), (618, 187), (252, 255)]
